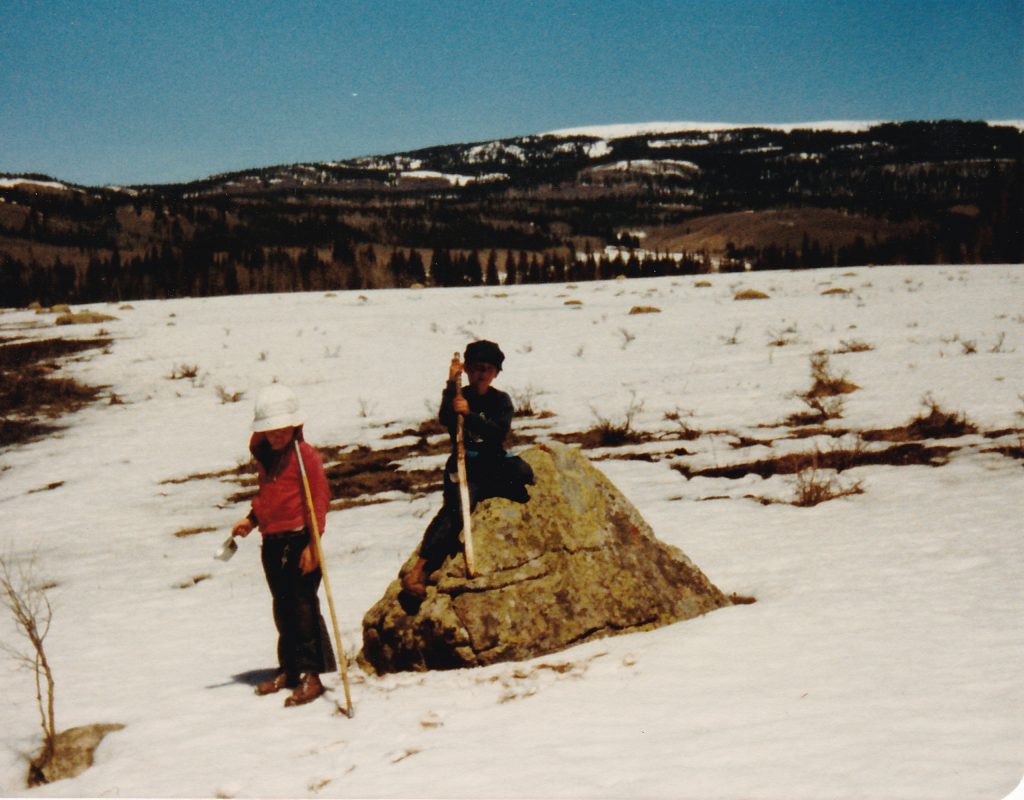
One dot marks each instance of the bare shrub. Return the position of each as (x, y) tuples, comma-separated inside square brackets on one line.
[(366, 407), (184, 372), (685, 430), (824, 397), (612, 433), (998, 347), (782, 338), (25, 598), (853, 346), (627, 337), (813, 486), (229, 397), (824, 382), (523, 401)]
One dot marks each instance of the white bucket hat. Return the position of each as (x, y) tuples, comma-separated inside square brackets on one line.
[(276, 407)]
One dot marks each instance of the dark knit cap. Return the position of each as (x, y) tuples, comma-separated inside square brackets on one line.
[(484, 352)]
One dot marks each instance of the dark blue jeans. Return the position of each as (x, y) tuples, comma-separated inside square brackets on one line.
[(302, 641), (506, 477)]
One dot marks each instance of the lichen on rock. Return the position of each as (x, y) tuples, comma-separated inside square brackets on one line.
[(575, 563)]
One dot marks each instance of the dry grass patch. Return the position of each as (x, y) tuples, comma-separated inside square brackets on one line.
[(362, 471), (932, 423), (47, 488), (82, 318), (608, 432), (426, 430), (1014, 450), (193, 581), (750, 294), (853, 346), (29, 392), (837, 459), (194, 531), (73, 753)]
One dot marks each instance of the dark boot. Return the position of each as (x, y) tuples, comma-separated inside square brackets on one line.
[(414, 582), (281, 680), (308, 690)]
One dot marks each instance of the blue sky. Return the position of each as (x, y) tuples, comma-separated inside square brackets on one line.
[(101, 91)]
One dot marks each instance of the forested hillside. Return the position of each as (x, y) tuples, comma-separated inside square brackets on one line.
[(532, 209)]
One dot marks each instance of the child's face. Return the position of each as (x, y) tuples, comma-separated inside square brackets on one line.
[(481, 375), (280, 438)]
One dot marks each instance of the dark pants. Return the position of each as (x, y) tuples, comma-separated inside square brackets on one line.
[(302, 644), (504, 477)]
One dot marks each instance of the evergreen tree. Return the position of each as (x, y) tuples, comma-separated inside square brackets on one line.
[(442, 271), (398, 266), (416, 270), (472, 274), (492, 269)]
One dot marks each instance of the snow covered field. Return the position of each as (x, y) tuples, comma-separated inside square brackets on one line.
[(881, 659)]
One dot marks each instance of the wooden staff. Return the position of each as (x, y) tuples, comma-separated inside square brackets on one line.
[(348, 711), (460, 450)]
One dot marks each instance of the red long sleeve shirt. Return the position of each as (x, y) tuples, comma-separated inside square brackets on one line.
[(280, 505)]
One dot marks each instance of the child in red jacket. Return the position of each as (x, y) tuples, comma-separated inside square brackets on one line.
[(289, 555)]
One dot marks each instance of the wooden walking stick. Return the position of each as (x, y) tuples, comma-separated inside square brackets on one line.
[(348, 711), (460, 449)]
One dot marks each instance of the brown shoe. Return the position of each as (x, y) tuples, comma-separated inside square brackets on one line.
[(281, 680), (308, 690), (414, 582)]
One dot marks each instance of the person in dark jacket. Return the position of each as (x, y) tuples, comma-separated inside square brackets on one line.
[(491, 471), (289, 556)]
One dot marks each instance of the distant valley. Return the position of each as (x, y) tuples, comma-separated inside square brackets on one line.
[(572, 205)]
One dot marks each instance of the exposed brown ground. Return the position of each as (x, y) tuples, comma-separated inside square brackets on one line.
[(782, 227)]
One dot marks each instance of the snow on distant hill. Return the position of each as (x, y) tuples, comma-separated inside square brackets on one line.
[(10, 183), (621, 130)]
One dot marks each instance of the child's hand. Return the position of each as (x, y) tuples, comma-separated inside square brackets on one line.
[(242, 528), (308, 560), (460, 405)]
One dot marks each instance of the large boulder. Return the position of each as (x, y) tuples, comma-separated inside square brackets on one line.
[(575, 563)]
